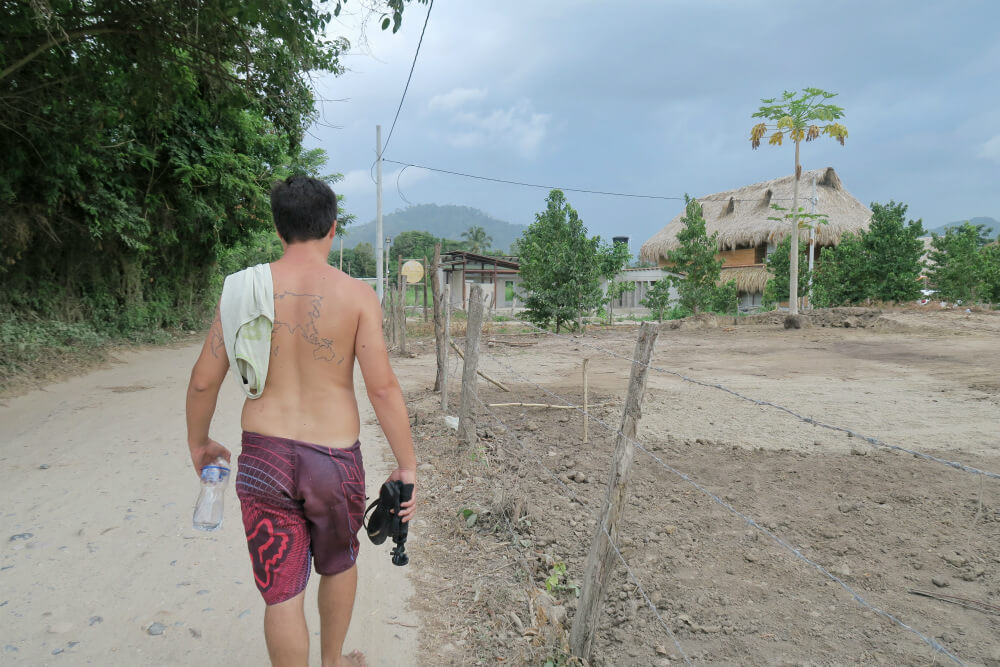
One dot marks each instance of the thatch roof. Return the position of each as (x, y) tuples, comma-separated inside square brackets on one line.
[(748, 278), (741, 216)]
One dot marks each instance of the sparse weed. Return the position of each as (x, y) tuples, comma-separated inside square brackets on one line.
[(558, 582)]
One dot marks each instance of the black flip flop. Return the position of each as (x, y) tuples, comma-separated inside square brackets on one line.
[(385, 521)]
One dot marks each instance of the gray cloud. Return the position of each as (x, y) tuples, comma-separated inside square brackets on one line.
[(656, 98)]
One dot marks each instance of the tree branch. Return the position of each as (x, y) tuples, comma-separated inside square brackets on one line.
[(55, 41)]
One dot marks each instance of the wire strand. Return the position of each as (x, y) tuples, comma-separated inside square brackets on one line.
[(566, 189), (750, 521), (593, 511), (413, 66), (808, 420)]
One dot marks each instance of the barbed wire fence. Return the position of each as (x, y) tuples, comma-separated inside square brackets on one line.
[(509, 434)]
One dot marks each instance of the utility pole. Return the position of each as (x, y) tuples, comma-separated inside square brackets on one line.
[(379, 239), (812, 243)]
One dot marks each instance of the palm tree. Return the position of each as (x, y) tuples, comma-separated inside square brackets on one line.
[(477, 239)]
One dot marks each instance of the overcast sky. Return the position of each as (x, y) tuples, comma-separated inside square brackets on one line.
[(656, 98)]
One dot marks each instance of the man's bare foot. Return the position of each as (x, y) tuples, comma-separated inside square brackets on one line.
[(352, 659)]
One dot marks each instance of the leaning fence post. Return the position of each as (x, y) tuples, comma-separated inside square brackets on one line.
[(600, 560), (466, 424)]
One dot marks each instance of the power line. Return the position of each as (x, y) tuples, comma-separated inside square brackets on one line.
[(565, 189), (412, 67)]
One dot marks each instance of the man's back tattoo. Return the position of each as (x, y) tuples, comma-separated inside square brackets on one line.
[(323, 348)]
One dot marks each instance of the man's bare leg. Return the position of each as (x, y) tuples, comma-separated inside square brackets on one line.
[(286, 633), (336, 604)]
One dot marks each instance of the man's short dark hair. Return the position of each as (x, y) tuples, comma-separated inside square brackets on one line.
[(304, 208)]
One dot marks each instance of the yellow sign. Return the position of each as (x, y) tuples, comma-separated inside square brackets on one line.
[(413, 270)]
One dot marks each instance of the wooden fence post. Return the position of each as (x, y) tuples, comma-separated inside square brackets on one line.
[(389, 318), (601, 558), (440, 337), (425, 287), (447, 338), (586, 417), (401, 317), (466, 423)]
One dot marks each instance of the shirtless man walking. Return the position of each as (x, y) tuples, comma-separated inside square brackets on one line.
[(301, 479)]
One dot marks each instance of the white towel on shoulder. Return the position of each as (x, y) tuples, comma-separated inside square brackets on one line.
[(247, 313)]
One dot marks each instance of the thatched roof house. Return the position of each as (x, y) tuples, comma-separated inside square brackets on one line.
[(746, 236)]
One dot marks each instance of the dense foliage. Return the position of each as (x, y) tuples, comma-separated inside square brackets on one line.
[(560, 266), (881, 263), (695, 270), (140, 141), (963, 267)]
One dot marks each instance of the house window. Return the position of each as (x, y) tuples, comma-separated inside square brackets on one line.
[(508, 291)]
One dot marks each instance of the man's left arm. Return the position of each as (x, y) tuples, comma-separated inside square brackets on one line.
[(203, 392)]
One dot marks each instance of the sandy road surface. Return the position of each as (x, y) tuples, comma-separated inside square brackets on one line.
[(96, 544)]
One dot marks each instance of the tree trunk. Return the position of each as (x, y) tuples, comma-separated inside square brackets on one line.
[(793, 274)]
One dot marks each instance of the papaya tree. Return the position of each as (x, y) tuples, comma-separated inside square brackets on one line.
[(796, 115)]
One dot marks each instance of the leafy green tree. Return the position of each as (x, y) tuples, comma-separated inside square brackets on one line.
[(359, 261), (140, 140), (990, 276), (959, 267), (411, 245), (796, 114), (658, 297), (613, 259), (839, 277), (894, 252), (477, 240), (695, 261), (726, 299), (881, 263), (560, 265)]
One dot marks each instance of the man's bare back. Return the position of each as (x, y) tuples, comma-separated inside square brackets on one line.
[(309, 393)]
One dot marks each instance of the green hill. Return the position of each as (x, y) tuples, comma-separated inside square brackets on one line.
[(991, 224), (442, 221)]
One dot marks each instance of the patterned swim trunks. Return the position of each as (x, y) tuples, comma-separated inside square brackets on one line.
[(298, 500)]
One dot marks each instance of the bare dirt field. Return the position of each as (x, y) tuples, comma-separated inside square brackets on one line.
[(499, 517)]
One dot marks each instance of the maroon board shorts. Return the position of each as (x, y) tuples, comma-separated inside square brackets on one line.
[(299, 500)]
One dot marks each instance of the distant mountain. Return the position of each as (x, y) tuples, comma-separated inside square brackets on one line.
[(992, 226), (442, 221)]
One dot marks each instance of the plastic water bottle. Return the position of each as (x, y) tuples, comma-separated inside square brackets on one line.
[(208, 509)]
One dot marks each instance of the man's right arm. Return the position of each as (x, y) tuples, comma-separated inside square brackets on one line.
[(384, 392)]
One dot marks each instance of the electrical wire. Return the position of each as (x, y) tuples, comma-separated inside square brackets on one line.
[(399, 108), (430, 6), (565, 189)]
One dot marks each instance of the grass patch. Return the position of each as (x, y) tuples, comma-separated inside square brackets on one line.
[(35, 350)]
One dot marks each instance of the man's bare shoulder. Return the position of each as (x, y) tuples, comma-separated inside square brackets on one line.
[(364, 292)]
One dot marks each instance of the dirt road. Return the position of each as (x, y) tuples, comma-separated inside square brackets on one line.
[(96, 544)]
